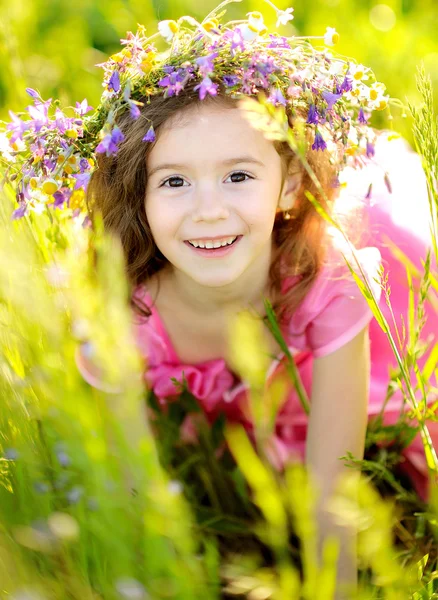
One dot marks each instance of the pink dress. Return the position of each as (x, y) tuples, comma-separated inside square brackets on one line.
[(333, 313)]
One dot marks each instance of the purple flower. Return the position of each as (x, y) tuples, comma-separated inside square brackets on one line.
[(370, 149), (82, 180), (17, 126), (114, 82), (276, 97), (206, 65), (174, 82), (83, 165), (59, 198), (110, 141), (150, 136), (206, 87), (278, 41), (32, 93), (19, 212), (312, 116), (39, 115), (134, 110), (319, 143), (347, 84), (361, 117), (230, 80), (330, 98), (83, 108), (237, 41)]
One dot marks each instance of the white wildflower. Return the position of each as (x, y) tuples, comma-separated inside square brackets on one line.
[(331, 36)]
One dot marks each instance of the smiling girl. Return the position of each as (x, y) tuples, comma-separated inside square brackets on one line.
[(214, 218)]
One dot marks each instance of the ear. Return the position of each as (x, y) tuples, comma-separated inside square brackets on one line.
[(291, 185)]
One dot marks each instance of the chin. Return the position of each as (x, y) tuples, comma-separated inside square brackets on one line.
[(215, 278)]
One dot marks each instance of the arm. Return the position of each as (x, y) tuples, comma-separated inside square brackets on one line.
[(337, 424)]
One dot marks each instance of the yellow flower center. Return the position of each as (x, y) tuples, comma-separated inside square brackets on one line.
[(358, 75), (211, 24), (33, 183), (173, 26), (50, 187), (72, 134), (382, 105), (335, 38)]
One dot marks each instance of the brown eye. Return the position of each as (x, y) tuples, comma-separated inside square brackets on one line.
[(173, 179), (241, 175)]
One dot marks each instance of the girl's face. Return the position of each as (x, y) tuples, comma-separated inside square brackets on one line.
[(212, 175)]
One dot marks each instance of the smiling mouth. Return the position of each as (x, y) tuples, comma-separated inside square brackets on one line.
[(204, 247)]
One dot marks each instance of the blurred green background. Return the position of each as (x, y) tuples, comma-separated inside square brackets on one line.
[(54, 45)]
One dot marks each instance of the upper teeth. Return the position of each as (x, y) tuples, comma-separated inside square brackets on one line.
[(213, 243)]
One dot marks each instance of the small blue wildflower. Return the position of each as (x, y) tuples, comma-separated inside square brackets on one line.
[(312, 116), (75, 494), (150, 136), (11, 454), (63, 459), (319, 143), (114, 82), (41, 487)]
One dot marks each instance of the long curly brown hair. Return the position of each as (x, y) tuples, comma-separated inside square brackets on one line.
[(118, 186)]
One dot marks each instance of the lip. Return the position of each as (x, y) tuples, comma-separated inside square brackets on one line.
[(217, 237), (218, 252)]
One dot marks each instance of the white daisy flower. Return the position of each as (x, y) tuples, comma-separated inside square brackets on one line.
[(358, 72), (331, 36), (284, 16), (168, 29)]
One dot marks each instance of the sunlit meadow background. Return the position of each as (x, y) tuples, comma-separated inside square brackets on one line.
[(87, 512)]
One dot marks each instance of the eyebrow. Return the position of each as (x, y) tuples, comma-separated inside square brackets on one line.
[(228, 161)]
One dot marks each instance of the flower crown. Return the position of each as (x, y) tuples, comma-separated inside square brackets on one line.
[(50, 154)]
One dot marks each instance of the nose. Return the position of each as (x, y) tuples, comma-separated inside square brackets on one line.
[(209, 205)]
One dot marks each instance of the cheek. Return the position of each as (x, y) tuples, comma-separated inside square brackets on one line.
[(162, 221)]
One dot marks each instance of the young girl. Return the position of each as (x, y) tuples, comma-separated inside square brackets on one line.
[(213, 218)]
